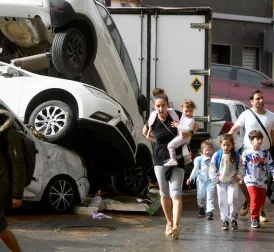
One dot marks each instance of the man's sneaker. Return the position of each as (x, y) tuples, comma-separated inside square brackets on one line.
[(244, 209), (171, 162), (234, 225), (263, 217), (201, 212), (255, 223), (209, 216), (225, 225)]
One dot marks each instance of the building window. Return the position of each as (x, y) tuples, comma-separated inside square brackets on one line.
[(250, 57), (221, 54)]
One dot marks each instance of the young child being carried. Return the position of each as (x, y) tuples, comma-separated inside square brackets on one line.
[(185, 125), (205, 187), (258, 164), (226, 169)]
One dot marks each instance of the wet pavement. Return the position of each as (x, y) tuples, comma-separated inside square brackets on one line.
[(129, 232)]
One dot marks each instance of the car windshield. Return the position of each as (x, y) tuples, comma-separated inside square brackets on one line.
[(121, 49), (10, 72)]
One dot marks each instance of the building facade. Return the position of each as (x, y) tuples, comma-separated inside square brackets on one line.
[(239, 30)]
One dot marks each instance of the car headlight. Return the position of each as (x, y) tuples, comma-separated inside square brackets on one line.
[(102, 95)]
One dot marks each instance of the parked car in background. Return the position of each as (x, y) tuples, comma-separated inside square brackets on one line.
[(60, 175), (224, 114), (236, 83)]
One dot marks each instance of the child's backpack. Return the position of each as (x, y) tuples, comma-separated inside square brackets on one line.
[(219, 158), (199, 160), (29, 153)]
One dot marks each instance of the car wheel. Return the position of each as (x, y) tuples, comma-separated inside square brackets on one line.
[(55, 119), (134, 179), (69, 52), (60, 195)]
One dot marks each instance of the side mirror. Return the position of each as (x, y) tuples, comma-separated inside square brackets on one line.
[(142, 102), (267, 83)]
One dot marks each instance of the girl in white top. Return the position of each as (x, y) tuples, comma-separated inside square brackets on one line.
[(226, 169), (205, 187)]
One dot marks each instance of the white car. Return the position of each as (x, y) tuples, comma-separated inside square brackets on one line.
[(79, 117), (224, 114), (60, 175), (78, 40)]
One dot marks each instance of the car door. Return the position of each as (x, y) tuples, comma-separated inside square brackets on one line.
[(239, 109), (220, 115), (246, 81), (221, 78), (12, 84)]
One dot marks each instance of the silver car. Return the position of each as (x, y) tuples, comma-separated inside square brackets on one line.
[(60, 175)]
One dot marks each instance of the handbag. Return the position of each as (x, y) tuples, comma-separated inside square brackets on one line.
[(259, 121)]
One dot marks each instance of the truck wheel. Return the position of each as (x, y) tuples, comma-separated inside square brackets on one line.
[(55, 119), (60, 195), (69, 52), (134, 179)]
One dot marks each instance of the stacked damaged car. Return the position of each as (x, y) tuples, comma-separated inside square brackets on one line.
[(63, 72)]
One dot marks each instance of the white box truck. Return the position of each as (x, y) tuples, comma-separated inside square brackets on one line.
[(170, 48)]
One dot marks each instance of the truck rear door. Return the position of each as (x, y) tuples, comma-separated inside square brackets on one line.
[(170, 48)]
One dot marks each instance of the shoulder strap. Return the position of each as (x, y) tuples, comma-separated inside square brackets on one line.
[(259, 121), (173, 115), (152, 118), (219, 155), (168, 129), (237, 161), (199, 161)]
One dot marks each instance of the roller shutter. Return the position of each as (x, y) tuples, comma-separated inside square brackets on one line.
[(250, 57)]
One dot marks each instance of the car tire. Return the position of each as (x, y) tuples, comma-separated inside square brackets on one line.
[(134, 179), (60, 195), (53, 116), (69, 52)]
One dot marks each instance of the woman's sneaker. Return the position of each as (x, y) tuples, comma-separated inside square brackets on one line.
[(263, 217), (234, 225), (201, 212), (225, 225), (209, 216), (255, 223), (171, 162)]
